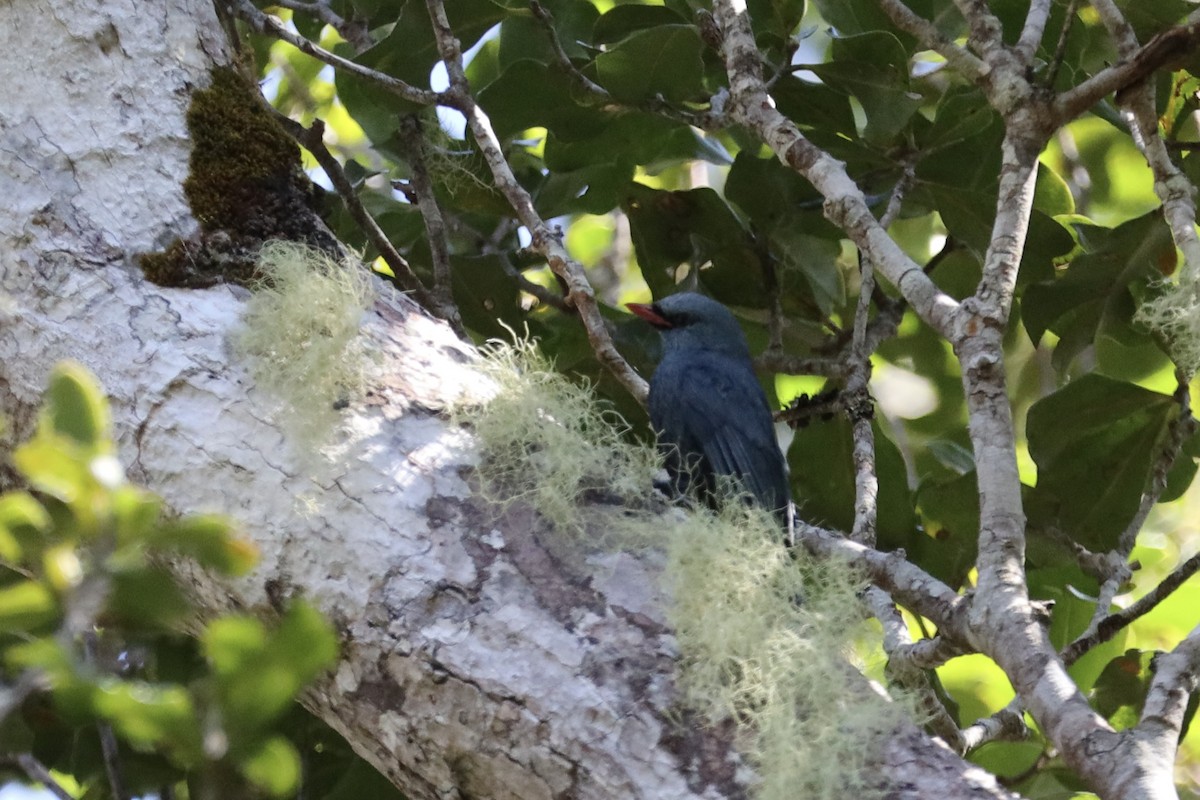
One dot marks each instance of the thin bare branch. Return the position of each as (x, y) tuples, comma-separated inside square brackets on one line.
[(1115, 622), (1176, 677), (546, 241), (968, 64), (1060, 49), (1136, 65), (893, 573), (845, 204), (355, 32), (312, 139), (1006, 725), (904, 674), (413, 138), (37, 773), (267, 24)]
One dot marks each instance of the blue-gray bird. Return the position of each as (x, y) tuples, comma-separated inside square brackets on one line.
[(709, 410)]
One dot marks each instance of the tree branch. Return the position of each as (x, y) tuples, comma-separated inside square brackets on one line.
[(312, 139), (546, 241), (845, 204), (1033, 30), (966, 63), (356, 33), (267, 24), (435, 227)]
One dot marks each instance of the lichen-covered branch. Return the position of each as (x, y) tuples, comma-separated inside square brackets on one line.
[(966, 63), (845, 204), (545, 240)]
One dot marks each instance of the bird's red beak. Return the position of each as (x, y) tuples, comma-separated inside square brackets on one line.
[(649, 314)]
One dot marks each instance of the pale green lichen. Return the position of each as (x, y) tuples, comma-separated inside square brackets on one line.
[(1175, 315), (766, 637), (546, 441), (301, 334)]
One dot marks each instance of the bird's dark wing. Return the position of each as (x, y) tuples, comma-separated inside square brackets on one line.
[(713, 406)]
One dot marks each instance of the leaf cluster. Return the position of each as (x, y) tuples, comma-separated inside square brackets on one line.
[(91, 648)]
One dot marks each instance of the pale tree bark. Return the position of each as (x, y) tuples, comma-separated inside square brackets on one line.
[(475, 663)]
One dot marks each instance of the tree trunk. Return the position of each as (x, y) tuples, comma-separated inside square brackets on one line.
[(474, 662)]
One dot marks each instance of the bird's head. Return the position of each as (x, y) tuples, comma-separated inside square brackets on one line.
[(690, 320)]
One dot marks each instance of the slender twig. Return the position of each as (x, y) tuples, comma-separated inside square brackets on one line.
[(267, 24), (778, 361), (966, 63), (1034, 30), (312, 139), (37, 773), (1113, 623), (413, 138), (1060, 49), (1135, 67), (109, 751), (1176, 676), (546, 20), (1119, 572), (845, 204), (541, 293), (859, 403), (910, 585), (1179, 430), (353, 31), (904, 674), (1006, 725), (707, 120), (546, 240), (929, 653)]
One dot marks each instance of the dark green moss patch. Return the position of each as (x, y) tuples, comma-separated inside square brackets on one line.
[(245, 187)]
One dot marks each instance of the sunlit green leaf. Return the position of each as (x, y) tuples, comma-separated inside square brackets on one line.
[(274, 767), (26, 605), (210, 540), (75, 407)]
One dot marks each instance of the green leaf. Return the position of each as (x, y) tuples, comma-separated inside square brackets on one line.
[(950, 515), (822, 472), (54, 465), (962, 113), (814, 107), (26, 606), (1121, 688), (22, 519), (660, 61), (816, 261), (486, 295), (231, 643), (274, 767), (695, 227), (1094, 441), (625, 20), (147, 598), (873, 67), (151, 714), (1095, 292), (76, 408), (1051, 195), (305, 641), (208, 539), (529, 94), (259, 673)]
